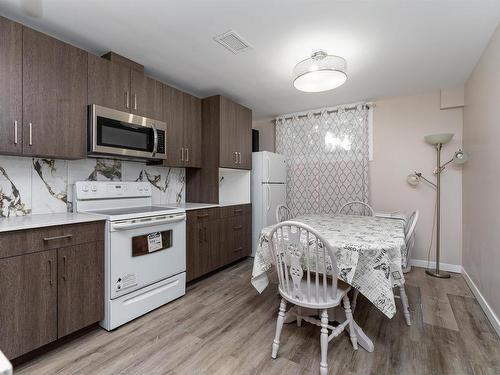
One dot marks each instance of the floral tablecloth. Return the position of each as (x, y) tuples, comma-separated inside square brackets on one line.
[(368, 256)]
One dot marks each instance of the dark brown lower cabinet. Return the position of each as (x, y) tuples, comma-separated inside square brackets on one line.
[(217, 237), (28, 302), (51, 285), (81, 290)]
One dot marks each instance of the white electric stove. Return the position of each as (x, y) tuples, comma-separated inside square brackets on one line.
[(145, 245)]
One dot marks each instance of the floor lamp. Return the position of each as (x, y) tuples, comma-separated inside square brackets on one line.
[(460, 157)]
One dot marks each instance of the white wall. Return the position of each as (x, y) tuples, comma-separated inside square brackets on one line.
[(266, 130), (481, 236), (399, 127)]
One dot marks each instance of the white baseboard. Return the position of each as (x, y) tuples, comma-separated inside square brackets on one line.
[(495, 322), (443, 266)]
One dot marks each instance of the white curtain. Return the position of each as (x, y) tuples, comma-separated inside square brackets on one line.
[(327, 152)]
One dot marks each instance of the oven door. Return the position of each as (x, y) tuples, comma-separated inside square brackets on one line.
[(145, 251), (119, 133)]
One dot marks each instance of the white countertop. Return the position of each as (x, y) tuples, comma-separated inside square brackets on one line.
[(44, 220), (198, 206)]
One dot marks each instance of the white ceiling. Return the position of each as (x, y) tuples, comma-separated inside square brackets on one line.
[(392, 47)]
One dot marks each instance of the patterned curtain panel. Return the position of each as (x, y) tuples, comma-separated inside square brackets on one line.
[(327, 155)]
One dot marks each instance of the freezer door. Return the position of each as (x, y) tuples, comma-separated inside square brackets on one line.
[(274, 195), (274, 167)]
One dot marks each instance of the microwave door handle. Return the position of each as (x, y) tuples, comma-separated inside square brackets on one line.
[(155, 141)]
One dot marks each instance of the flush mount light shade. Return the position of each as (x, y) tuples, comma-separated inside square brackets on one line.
[(412, 179), (435, 139), (460, 157), (320, 72)]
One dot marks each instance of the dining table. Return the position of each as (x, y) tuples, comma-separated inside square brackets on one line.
[(368, 252)]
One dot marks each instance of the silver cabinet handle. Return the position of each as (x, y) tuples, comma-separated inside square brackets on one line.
[(31, 133), (15, 132), (65, 271), (187, 154), (135, 101), (127, 100), (46, 239), (182, 153), (235, 157), (239, 157), (50, 272)]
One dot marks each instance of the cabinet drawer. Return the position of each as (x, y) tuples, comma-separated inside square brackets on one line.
[(237, 210), (33, 240), (202, 216)]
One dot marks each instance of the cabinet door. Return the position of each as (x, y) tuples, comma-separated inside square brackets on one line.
[(193, 239), (229, 142), (108, 84), (81, 286), (146, 99), (28, 302), (173, 116), (54, 97), (244, 132), (192, 130), (11, 86), (247, 235)]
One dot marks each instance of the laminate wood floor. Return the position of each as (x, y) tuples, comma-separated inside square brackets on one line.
[(223, 326)]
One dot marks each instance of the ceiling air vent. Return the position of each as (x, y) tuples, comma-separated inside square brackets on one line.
[(233, 42)]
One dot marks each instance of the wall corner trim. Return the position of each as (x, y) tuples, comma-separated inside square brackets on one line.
[(490, 314)]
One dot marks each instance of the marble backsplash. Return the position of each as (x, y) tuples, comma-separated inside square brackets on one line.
[(37, 186)]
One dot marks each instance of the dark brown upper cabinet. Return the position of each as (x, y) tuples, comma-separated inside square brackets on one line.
[(108, 83), (234, 123), (11, 87), (117, 83), (43, 94), (54, 97), (146, 96), (182, 113), (244, 135), (192, 130)]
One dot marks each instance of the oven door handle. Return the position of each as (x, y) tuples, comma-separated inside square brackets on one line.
[(147, 223), (155, 141)]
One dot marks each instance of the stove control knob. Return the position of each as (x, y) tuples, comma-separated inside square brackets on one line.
[(85, 188), (139, 188), (94, 188), (146, 188)]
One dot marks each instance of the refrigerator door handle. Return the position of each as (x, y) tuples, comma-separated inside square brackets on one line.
[(268, 205), (268, 169)]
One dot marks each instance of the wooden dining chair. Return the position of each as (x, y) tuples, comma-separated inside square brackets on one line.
[(282, 213), (410, 238), (307, 273), (356, 208)]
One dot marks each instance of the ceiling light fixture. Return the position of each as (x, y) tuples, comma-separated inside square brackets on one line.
[(320, 72)]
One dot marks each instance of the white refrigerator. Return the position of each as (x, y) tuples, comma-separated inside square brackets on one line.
[(268, 190)]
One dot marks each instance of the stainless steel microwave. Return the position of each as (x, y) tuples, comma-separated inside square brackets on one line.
[(121, 134)]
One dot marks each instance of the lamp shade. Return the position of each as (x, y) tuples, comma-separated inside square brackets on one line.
[(435, 139), (412, 179), (460, 157)]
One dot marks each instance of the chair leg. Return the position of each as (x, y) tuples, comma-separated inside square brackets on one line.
[(349, 317), (404, 301), (323, 365), (354, 299), (279, 327), (299, 317)]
